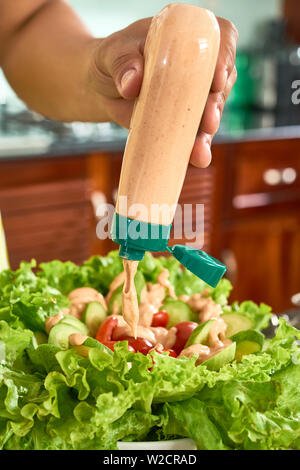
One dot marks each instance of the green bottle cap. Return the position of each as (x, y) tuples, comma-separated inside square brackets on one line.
[(199, 263), (136, 237)]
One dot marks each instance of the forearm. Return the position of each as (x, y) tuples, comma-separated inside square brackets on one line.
[(47, 59)]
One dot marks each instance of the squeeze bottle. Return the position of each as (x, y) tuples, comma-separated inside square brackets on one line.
[(180, 54)]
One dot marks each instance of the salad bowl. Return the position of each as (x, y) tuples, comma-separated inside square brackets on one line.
[(175, 444), (105, 393)]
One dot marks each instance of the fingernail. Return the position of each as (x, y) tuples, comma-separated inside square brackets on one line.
[(127, 77)]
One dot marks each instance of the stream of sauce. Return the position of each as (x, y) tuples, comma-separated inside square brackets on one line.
[(137, 318), (130, 306)]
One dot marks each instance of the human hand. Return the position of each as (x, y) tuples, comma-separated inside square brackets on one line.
[(117, 74)]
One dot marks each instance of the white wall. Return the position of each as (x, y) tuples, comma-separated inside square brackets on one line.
[(105, 17)]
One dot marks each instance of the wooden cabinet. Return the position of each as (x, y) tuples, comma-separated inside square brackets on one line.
[(46, 209), (260, 221), (250, 193), (263, 257), (291, 14)]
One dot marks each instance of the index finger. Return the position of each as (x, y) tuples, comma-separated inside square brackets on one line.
[(227, 53)]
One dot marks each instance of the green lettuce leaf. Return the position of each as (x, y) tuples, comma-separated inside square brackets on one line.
[(13, 343), (29, 298), (56, 399)]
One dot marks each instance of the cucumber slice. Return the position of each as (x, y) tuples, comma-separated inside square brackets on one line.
[(247, 342), (222, 358), (75, 322), (59, 334), (116, 298), (236, 323), (40, 337), (83, 349), (178, 311), (200, 334), (93, 316)]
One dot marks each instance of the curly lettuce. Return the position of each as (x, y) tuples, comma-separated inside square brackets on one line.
[(92, 403), (56, 399)]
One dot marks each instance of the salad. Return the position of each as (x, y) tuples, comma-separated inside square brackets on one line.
[(72, 376)]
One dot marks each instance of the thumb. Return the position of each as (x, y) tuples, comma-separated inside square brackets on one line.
[(120, 61)]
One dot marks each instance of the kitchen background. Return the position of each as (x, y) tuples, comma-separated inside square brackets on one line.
[(54, 176)]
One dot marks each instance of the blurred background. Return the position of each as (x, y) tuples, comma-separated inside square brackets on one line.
[(54, 176)]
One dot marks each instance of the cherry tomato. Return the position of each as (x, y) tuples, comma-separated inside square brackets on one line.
[(184, 330), (160, 318), (171, 352), (105, 330), (141, 345)]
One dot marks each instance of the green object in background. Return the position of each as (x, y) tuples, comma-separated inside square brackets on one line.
[(4, 261), (244, 91)]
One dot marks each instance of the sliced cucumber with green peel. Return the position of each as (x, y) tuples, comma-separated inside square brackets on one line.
[(247, 342), (59, 334), (225, 356), (75, 322), (236, 323), (40, 337), (200, 334), (178, 311), (93, 316), (115, 302), (84, 348)]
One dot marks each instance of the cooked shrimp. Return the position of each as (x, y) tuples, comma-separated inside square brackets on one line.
[(200, 350), (163, 280), (216, 334), (80, 297), (117, 282)]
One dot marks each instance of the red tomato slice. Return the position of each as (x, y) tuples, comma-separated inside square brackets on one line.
[(171, 352), (105, 330), (184, 330), (160, 318), (141, 345)]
